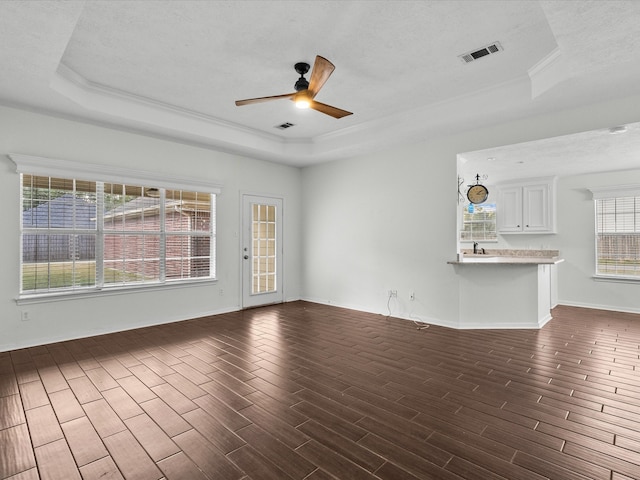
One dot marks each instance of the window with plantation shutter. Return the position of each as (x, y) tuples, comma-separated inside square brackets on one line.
[(80, 235), (618, 236)]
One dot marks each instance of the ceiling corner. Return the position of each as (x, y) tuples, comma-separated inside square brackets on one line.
[(548, 72)]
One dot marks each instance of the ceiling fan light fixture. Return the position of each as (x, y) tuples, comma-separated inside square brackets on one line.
[(302, 100)]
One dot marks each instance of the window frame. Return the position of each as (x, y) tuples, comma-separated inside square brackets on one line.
[(41, 166), (614, 193), (487, 203)]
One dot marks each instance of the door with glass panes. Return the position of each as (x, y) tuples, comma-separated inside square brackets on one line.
[(261, 250)]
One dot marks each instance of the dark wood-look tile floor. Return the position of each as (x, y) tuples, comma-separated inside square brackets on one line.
[(306, 391)]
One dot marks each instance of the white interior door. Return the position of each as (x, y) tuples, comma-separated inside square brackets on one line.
[(261, 251)]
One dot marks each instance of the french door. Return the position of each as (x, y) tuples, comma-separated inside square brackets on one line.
[(261, 251)]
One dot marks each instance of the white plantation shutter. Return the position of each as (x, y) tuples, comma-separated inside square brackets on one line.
[(82, 235), (618, 231)]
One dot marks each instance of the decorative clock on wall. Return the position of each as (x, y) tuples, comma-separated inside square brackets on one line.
[(477, 193)]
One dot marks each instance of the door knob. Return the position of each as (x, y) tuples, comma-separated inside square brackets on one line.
[(246, 257)]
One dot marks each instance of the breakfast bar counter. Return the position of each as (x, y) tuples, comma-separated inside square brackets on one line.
[(506, 291), (500, 260)]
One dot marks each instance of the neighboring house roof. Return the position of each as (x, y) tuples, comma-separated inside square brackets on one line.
[(135, 208), (148, 206), (55, 213)]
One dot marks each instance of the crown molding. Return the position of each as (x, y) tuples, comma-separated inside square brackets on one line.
[(117, 103), (548, 72), (57, 167), (159, 118), (615, 191)]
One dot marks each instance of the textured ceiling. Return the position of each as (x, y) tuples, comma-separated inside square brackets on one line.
[(175, 68), (585, 152)]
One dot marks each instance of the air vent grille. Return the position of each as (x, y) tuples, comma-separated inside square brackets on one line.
[(285, 125), (469, 57)]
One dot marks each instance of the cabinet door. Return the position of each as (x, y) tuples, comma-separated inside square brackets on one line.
[(535, 208), (509, 209)]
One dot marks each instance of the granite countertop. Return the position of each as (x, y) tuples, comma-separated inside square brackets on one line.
[(509, 257)]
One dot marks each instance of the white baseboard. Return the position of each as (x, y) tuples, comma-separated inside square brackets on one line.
[(34, 342), (401, 316), (428, 321), (595, 306)]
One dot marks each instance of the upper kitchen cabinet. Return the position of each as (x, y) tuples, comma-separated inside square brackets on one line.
[(527, 206)]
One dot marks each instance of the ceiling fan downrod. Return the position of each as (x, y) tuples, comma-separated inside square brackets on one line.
[(302, 68)]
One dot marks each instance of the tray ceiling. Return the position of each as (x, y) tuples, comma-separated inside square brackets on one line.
[(175, 68)]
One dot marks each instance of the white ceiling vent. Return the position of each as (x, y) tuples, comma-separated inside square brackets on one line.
[(285, 125), (469, 57)]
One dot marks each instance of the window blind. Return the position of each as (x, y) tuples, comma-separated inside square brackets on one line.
[(83, 233), (479, 222), (618, 236)]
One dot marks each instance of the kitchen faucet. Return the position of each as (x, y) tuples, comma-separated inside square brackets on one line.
[(475, 248)]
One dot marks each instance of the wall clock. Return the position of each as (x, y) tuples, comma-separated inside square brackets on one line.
[(477, 193)]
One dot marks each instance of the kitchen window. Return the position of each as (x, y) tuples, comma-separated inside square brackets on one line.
[(478, 222)]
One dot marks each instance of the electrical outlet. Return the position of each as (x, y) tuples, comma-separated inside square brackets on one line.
[(25, 315), (221, 292), (393, 293)]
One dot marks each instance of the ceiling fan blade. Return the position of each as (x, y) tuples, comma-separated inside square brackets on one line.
[(249, 101), (322, 70), (329, 110)]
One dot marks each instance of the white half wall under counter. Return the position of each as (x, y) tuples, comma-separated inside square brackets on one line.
[(506, 291)]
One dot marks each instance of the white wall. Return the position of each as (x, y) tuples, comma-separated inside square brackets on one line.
[(353, 229), (388, 221), (380, 223), (35, 134), (576, 241)]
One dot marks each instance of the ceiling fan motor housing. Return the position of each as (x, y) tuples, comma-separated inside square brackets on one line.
[(302, 67), (302, 83)]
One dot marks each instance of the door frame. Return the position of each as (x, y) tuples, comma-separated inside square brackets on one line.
[(247, 298)]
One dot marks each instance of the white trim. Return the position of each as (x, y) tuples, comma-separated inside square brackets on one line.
[(32, 165), (616, 279), (615, 191), (348, 141), (162, 260), (527, 181), (548, 73), (51, 167), (178, 120), (594, 306), (250, 299), (28, 299), (105, 329)]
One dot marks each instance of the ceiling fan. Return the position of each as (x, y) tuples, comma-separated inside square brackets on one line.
[(307, 90)]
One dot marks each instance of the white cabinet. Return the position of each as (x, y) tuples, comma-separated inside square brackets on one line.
[(527, 206), (509, 210)]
